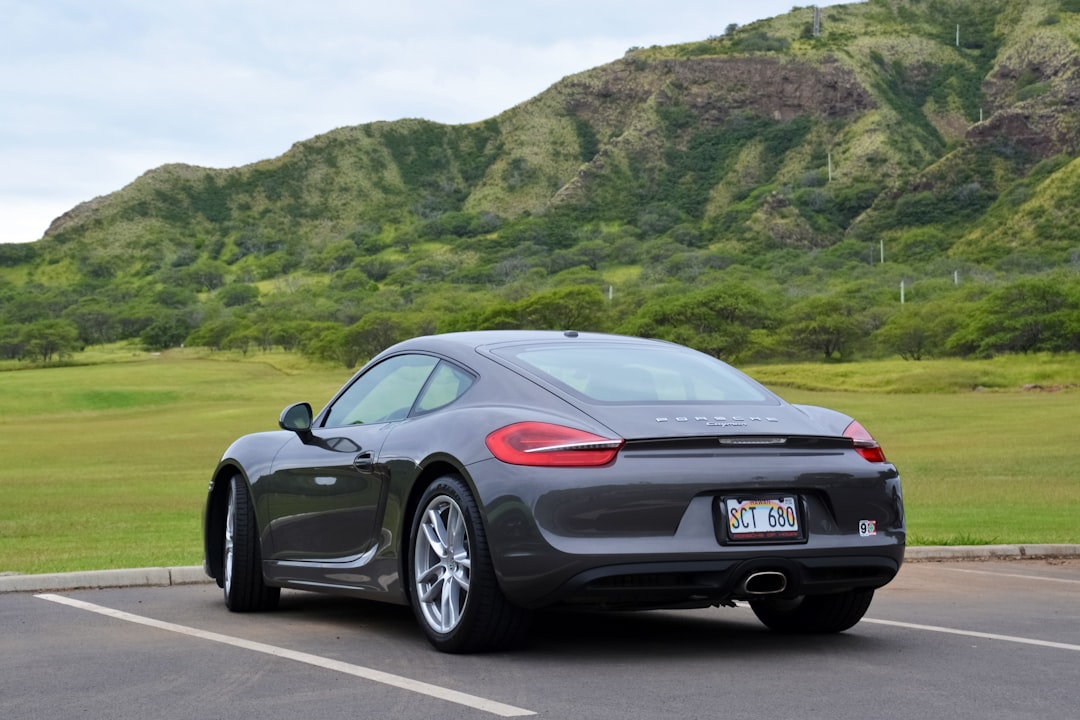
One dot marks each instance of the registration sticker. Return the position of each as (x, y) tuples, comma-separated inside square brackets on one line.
[(762, 519), (867, 528)]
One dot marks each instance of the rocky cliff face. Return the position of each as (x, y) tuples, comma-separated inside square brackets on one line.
[(715, 88), (1033, 98)]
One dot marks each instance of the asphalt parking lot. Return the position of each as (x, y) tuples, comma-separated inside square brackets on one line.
[(958, 639)]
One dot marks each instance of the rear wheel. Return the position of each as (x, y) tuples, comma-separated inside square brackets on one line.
[(241, 563), (453, 589), (813, 614)]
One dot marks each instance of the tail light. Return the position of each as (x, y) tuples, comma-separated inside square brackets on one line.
[(864, 442), (547, 445)]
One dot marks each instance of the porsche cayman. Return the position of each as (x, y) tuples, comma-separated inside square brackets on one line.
[(480, 477)]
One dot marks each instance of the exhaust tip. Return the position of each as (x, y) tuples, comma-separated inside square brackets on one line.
[(766, 582)]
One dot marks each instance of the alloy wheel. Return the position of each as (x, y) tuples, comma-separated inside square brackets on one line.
[(230, 531), (442, 564)]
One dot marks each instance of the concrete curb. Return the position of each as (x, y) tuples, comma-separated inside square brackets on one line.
[(989, 552), (194, 575), (97, 579)]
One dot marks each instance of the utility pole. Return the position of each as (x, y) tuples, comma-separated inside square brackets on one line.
[(817, 21)]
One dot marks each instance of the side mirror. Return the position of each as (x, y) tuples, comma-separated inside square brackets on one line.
[(297, 417)]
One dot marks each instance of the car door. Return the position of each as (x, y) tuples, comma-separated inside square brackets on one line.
[(326, 490)]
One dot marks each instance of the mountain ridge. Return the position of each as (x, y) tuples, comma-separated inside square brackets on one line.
[(945, 131), (650, 101)]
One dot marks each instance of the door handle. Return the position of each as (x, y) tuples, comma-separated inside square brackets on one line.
[(363, 461)]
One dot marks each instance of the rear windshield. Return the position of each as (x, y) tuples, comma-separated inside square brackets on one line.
[(628, 374)]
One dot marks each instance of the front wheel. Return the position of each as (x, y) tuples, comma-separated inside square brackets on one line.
[(813, 614), (241, 562), (453, 589)]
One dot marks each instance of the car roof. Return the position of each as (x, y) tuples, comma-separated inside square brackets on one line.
[(475, 339)]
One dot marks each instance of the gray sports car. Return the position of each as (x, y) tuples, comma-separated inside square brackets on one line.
[(481, 476)]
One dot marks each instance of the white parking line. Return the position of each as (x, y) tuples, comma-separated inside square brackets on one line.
[(1012, 575), (472, 701), (972, 633)]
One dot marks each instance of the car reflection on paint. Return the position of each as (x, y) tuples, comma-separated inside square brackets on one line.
[(480, 477)]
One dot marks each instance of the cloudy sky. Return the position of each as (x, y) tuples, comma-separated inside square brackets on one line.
[(96, 92)]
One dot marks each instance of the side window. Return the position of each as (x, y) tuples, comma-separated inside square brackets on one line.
[(385, 392), (447, 384)]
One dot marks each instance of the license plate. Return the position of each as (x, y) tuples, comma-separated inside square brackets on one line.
[(762, 519)]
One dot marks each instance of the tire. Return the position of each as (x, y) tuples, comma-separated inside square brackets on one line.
[(814, 614), (452, 585), (241, 562)]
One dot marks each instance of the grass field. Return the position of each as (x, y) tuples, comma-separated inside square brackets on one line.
[(106, 465)]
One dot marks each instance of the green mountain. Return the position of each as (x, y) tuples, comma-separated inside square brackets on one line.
[(733, 193)]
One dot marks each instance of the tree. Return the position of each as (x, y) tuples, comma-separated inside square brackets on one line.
[(335, 256), (95, 320), (718, 320), (373, 333), (47, 338), (242, 338), (578, 307), (205, 274), (12, 342), (212, 333), (165, 332), (237, 294), (918, 331), (33, 301), (295, 334), (823, 324), (1029, 315)]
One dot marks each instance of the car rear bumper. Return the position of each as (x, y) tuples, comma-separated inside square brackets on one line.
[(652, 531), (710, 582)]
